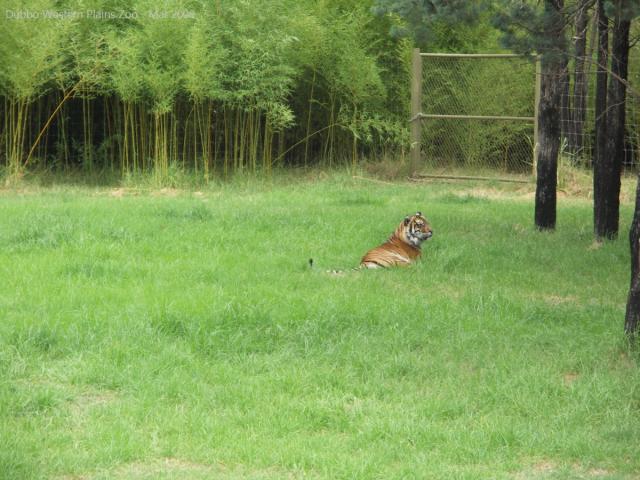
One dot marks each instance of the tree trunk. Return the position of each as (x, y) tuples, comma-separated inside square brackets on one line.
[(553, 65), (579, 97), (602, 167), (632, 317), (616, 117)]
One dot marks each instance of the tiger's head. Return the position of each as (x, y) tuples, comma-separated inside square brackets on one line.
[(414, 230)]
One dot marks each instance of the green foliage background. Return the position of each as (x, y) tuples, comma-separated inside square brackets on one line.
[(209, 86)]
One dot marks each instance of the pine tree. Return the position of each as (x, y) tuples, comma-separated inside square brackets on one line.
[(528, 29), (610, 115), (624, 12)]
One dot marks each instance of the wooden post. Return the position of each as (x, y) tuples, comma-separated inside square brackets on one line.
[(536, 112), (416, 107)]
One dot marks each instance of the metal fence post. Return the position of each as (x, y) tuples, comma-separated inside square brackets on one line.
[(535, 114), (416, 107)]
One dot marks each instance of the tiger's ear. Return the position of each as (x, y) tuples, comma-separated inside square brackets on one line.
[(418, 214), (407, 219)]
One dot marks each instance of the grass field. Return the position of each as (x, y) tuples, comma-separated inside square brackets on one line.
[(181, 335)]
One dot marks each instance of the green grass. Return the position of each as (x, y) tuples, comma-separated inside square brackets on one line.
[(181, 335)]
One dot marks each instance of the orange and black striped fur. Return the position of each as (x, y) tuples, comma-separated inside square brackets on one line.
[(402, 247)]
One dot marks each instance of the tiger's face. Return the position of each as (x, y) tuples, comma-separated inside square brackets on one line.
[(416, 229)]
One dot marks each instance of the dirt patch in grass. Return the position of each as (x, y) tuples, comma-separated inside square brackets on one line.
[(598, 472), (492, 193), (547, 469), (570, 377), (560, 299), (80, 406), (470, 193), (166, 192), (158, 468), (554, 300), (626, 361), (541, 469), (163, 467), (595, 245), (544, 467), (86, 399), (177, 468)]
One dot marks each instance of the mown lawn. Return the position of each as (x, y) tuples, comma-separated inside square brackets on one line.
[(181, 335)]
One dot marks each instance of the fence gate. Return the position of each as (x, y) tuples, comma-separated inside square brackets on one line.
[(474, 114)]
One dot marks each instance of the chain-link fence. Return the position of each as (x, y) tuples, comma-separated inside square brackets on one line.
[(478, 112), (577, 119)]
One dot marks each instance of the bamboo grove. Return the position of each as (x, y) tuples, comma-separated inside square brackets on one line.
[(211, 87)]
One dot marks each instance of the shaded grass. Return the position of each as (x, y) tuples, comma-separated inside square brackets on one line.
[(183, 336)]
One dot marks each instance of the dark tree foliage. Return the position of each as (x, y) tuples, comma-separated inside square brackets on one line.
[(529, 29), (421, 15)]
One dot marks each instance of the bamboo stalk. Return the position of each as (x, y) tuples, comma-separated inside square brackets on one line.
[(174, 136), (306, 145), (328, 146), (196, 124), (65, 140), (281, 153), (134, 142), (185, 134), (46, 126), (355, 141), (236, 141), (266, 146), (216, 136), (125, 157), (208, 125), (226, 141), (6, 130)]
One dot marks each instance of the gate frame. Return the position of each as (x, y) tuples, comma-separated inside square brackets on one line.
[(416, 100)]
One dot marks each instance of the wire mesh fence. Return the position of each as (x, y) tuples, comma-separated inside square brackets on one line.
[(478, 112), (577, 120)]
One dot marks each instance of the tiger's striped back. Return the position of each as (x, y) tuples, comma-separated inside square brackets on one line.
[(402, 247)]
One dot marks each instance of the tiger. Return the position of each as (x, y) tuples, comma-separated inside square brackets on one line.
[(402, 247)]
